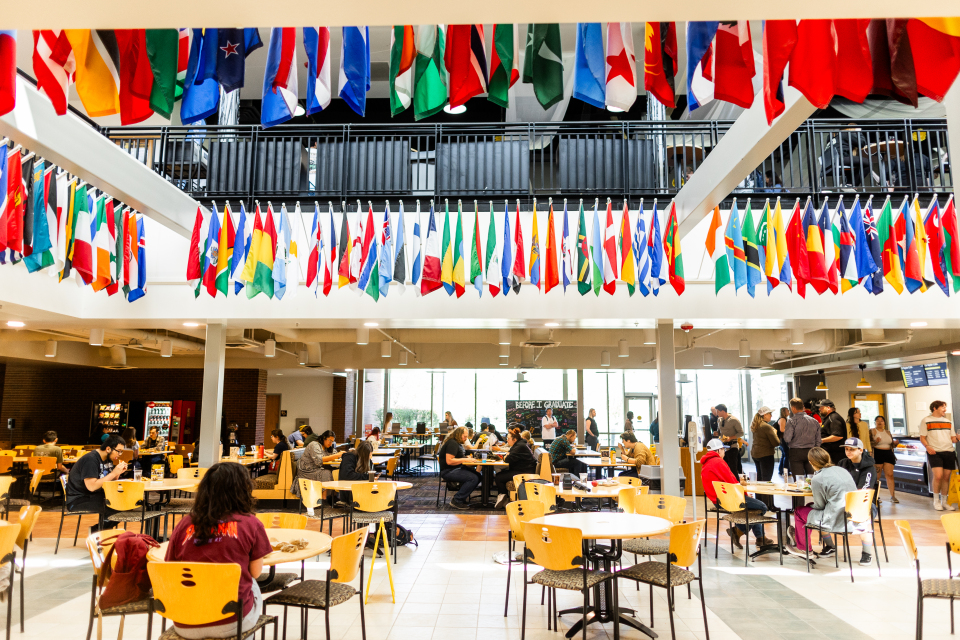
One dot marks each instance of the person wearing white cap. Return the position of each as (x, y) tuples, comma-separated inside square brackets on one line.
[(765, 443), (863, 470), (714, 469)]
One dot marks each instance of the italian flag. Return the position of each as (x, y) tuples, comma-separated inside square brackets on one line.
[(403, 53)]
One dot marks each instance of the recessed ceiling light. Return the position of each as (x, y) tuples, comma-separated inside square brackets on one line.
[(371, 324), (348, 369), (15, 323), (551, 324), (279, 374), (191, 324), (955, 353), (912, 324), (731, 324)]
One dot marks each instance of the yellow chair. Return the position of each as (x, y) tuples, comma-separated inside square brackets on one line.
[(931, 587), (64, 513), (311, 497), (176, 463), (128, 499), (28, 518), (280, 520), (8, 452), (346, 564), (546, 467), (951, 525), (625, 498), (659, 506), (683, 551), (373, 501), (6, 502), (545, 493), (559, 550), (732, 499), (8, 537), (98, 544), (633, 482), (520, 478), (518, 512), (6, 464), (859, 512), (195, 593)]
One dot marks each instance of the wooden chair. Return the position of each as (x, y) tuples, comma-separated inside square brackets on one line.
[(6, 463), (311, 497), (127, 497), (28, 519), (545, 493), (545, 467), (683, 551), (858, 512), (194, 593), (373, 501), (64, 512), (281, 520), (732, 499), (518, 512), (97, 545), (559, 550), (931, 587), (951, 525), (277, 486), (625, 498), (660, 506), (8, 537), (175, 463), (42, 469), (633, 482), (346, 564)]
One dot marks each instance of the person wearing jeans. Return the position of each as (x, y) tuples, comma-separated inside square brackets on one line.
[(452, 458)]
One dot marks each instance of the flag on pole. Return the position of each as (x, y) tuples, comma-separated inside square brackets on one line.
[(506, 264), (430, 279), (583, 256), (951, 247), (589, 84), (934, 231), (54, 72), (535, 251), (912, 265), (543, 64), (672, 251), (660, 61), (797, 249), (211, 253), (476, 267), (104, 244), (504, 59), (430, 85), (887, 234), (830, 248), (519, 267), (655, 247), (201, 92), (138, 287), (596, 252), (874, 282), (465, 58), (194, 274), (355, 68), (403, 53), (621, 67), (314, 252), (628, 261), (762, 235), (225, 249), (716, 249), (848, 246), (699, 37), (282, 254), (922, 245), (643, 256), (258, 272), (241, 249), (97, 59), (446, 253), (610, 253), (344, 277), (814, 244), (369, 252), (862, 254), (568, 244), (551, 276), (330, 254), (492, 259), (751, 251), (57, 201), (280, 91), (416, 269), (41, 254), (459, 284), (400, 252), (387, 253), (316, 40), (736, 253)]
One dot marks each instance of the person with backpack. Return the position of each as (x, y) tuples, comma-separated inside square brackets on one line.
[(519, 460), (222, 528)]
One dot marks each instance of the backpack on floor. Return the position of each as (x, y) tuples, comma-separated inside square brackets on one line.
[(404, 537)]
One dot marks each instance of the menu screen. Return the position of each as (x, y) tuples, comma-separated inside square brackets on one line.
[(936, 373), (914, 376)]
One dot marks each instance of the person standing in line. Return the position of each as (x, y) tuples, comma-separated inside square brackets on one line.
[(784, 447), (859, 428), (548, 428), (833, 431), (730, 433), (765, 442), (937, 435), (802, 434), (591, 432), (883, 445)]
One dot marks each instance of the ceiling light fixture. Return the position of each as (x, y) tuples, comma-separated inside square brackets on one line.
[(191, 324), (521, 377), (166, 349), (348, 370), (744, 348), (822, 386), (505, 336), (624, 347), (363, 336), (918, 324), (504, 351), (649, 336), (16, 324), (604, 358), (279, 374), (863, 384), (371, 324), (51, 351), (96, 337), (385, 349), (708, 358), (455, 111), (270, 348), (403, 358), (796, 336), (551, 324)]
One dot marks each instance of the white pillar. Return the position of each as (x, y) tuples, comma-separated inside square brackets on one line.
[(211, 407), (953, 373), (669, 447), (581, 408), (358, 411)]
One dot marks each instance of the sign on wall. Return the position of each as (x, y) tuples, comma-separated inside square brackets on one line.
[(527, 414)]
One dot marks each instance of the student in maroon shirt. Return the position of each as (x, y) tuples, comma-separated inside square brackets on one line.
[(222, 528)]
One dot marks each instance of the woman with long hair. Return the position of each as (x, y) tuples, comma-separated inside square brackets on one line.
[(315, 462), (883, 456), (387, 423), (374, 438), (452, 458), (859, 428), (765, 442), (448, 417), (519, 460), (222, 528), (784, 447), (355, 464)]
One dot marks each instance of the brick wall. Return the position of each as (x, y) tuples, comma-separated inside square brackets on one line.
[(60, 398)]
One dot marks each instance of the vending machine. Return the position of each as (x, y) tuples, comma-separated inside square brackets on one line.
[(182, 422), (158, 414), (108, 414)]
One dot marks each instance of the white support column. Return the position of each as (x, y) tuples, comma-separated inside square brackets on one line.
[(358, 411), (953, 372), (581, 408), (952, 104), (211, 408), (669, 447)]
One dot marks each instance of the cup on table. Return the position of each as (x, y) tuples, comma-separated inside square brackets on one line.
[(753, 476), (137, 474), (583, 477), (371, 476), (557, 478)]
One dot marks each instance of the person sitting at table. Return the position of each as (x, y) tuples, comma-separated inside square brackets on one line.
[(314, 464), (488, 438), (222, 528), (860, 465), (374, 438), (634, 453), (295, 439), (85, 482), (451, 423), (130, 441), (562, 454), (830, 485), (715, 469), (355, 464), (50, 449), (452, 458), (519, 460), (308, 435), (279, 446), (152, 440)]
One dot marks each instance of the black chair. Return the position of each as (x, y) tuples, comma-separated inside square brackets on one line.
[(79, 513)]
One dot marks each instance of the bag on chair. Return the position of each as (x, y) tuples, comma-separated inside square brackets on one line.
[(124, 570)]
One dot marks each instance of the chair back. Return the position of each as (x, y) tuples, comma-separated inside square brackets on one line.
[(123, 495), (44, 464), (546, 468), (35, 481), (97, 546), (631, 481), (8, 452), (906, 537), (523, 477), (6, 464), (951, 525), (191, 472), (552, 547), (311, 492), (127, 455), (28, 518), (63, 485), (175, 462), (278, 520), (520, 511), (545, 493), (667, 507), (8, 537), (392, 466), (374, 496), (625, 499), (685, 542), (859, 505), (195, 593), (729, 495), (5, 483), (346, 554)]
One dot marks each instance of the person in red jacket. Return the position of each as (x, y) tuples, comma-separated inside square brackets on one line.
[(714, 468)]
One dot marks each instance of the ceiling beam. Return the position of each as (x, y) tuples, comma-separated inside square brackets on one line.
[(75, 146)]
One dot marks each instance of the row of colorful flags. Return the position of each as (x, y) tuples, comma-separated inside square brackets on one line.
[(835, 250), (262, 253), (50, 221)]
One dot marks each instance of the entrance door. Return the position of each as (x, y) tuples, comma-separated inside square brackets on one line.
[(870, 404), (272, 418), (644, 410)]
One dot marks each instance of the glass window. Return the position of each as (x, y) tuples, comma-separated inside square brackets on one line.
[(453, 391), (769, 391), (410, 397), (373, 398), (603, 391), (494, 388), (896, 414), (719, 387)]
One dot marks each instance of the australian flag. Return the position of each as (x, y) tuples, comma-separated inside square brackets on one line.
[(873, 282)]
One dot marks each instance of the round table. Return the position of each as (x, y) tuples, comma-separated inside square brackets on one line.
[(486, 469), (346, 485), (318, 543), (600, 491), (771, 489), (171, 484), (615, 527)]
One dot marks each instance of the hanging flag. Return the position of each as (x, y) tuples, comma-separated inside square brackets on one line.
[(458, 277), (951, 245), (233, 47), (736, 253), (621, 66), (369, 252), (734, 66), (716, 249), (922, 243), (316, 40), (65, 224), (660, 61), (568, 244), (400, 252), (628, 259), (934, 231), (97, 60), (26, 221), (912, 254), (847, 246), (699, 37), (138, 288), (355, 68), (387, 255), (596, 252), (874, 282), (863, 256), (11, 234), (813, 64), (430, 87), (294, 252), (551, 275), (357, 254), (211, 253), (492, 259), (53, 78), (589, 72), (416, 270), (40, 255), (136, 77), (241, 248), (465, 59), (431, 278), (314, 252), (344, 250), (506, 264), (797, 249), (894, 73), (643, 256), (854, 77), (476, 269), (535, 251), (183, 60), (83, 256), (935, 47), (282, 255), (831, 242), (280, 91), (610, 253), (762, 235), (519, 266), (503, 64), (655, 247), (225, 249), (887, 235), (446, 255), (779, 39), (128, 234), (115, 227), (163, 53), (542, 63), (201, 93), (403, 53), (258, 272), (330, 253), (751, 251), (672, 251), (816, 260), (781, 267), (583, 256)]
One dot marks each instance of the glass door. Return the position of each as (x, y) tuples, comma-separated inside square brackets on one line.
[(643, 406), (870, 405)]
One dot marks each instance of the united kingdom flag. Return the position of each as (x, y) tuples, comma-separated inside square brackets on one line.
[(874, 282)]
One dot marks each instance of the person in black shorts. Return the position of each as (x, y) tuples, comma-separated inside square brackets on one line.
[(939, 438)]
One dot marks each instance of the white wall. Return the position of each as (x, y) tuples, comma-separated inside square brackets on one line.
[(303, 397)]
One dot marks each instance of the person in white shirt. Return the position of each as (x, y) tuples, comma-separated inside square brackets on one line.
[(548, 427), (939, 438)]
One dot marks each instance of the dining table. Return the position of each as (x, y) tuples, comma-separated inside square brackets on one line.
[(799, 496), (615, 527), (486, 469), (604, 466)]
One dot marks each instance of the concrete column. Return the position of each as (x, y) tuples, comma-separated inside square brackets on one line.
[(581, 408), (951, 103), (358, 410), (669, 447), (211, 407), (953, 372)]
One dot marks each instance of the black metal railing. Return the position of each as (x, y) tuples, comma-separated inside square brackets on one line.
[(628, 160)]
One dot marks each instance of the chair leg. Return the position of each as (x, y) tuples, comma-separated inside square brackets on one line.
[(150, 625), (882, 540), (550, 612), (651, 605), (746, 542), (951, 616), (586, 603), (76, 533), (506, 598), (806, 533), (703, 605), (326, 616), (23, 571), (673, 633), (10, 601), (876, 552), (920, 619), (846, 550), (59, 531), (616, 609), (523, 614)]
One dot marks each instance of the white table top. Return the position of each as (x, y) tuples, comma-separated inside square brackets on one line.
[(345, 485), (603, 462), (317, 543), (608, 525), (171, 484), (587, 453)]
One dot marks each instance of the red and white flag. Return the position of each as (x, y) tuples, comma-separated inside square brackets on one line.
[(610, 253), (53, 79), (621, 66), (193, 256)]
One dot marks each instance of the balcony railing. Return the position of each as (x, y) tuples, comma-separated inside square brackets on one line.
[(632, 160)]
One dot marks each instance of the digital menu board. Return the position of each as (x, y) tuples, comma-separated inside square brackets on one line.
[(914, 376), (936, 374)]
